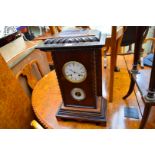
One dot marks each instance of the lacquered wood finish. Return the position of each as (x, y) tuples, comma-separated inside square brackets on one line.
[(138, 46), (147, 91), (35, 55), (112, 62), (27, 72), (15, 106), (84, 47), (46, 99), (60, 58), (113, 42), (99, 72), (151, 92), (143, 75), (71, 41)]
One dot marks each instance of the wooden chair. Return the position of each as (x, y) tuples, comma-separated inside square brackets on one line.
[(27, 71), (115, 44), (55, 29), (32, 81), (15, 106), (108, 45), (129, 38)]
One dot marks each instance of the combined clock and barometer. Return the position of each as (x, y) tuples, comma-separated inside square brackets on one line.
[(75, 72), (77, 60)]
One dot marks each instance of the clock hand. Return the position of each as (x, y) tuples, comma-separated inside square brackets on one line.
[(73, 71)]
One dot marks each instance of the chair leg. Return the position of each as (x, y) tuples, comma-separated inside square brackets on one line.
[(145, 116), (132, 84)]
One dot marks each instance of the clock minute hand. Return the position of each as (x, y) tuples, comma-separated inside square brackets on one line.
[(73, 71)]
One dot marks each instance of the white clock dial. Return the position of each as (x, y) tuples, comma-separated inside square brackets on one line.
[(78, 94), (74, 72)]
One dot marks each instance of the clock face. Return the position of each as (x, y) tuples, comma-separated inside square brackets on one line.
[(78, 94), (74, 72)]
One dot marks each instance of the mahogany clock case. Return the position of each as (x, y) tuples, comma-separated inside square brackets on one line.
[(84, 48), (88, 85), (93, 107)]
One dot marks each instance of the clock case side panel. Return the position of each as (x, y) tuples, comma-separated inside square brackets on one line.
[(98, 56), (87, 58)]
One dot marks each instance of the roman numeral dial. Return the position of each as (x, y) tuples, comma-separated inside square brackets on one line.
[(74, 71)]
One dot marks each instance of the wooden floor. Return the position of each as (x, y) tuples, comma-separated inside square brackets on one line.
[(115, 109), (116, 117)]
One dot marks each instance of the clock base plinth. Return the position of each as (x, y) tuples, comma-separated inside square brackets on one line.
[(97, 116)]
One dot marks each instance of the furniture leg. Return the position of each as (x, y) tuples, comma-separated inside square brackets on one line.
[(132, 84), (117, 69), (138, 44), (145, 116), (112, 63), (151, 90), (150, 96)]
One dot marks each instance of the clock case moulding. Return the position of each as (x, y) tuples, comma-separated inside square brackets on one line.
[(83, 47)]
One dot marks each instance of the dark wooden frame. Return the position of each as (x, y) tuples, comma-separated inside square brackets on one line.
[(89, 54)]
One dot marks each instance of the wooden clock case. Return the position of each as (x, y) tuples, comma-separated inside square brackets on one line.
[(83, 47)]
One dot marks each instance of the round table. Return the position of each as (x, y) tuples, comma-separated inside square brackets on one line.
[(46, 99)]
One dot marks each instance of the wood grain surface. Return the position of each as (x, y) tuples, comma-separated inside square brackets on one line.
[(15, 107), (46, 99)]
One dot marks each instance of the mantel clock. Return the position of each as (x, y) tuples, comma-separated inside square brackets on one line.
[(77, 60)]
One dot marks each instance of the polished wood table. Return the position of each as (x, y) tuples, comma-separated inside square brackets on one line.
[(46, 99)]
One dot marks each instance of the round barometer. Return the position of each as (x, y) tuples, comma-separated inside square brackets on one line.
[(78, 94)]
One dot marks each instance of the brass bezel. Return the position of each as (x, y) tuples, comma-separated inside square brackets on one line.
[(78, 89), (73, 81)]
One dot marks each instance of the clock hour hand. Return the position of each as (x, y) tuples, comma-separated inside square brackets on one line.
[(75, 72)]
